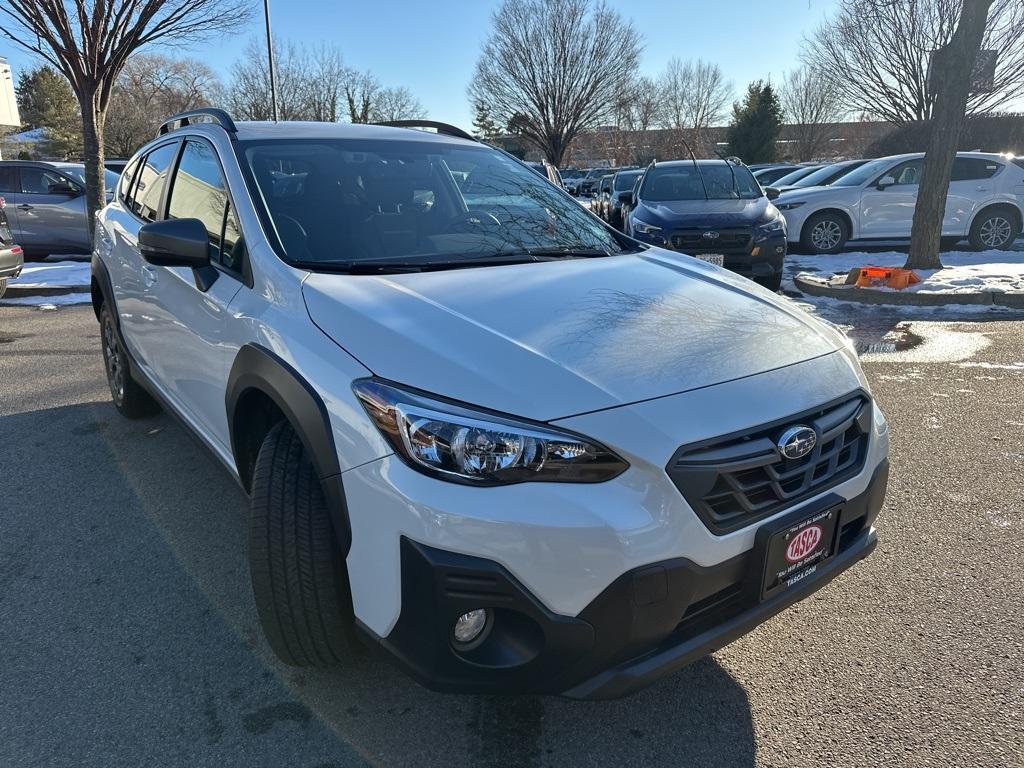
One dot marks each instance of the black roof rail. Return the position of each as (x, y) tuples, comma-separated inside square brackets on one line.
[(442, 128), (211, 115)]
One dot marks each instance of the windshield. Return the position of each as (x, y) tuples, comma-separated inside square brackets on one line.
[(77, 172), (684, 182), (863, 174), (793, 177), (825, 175), (340, 202), (624, 181)]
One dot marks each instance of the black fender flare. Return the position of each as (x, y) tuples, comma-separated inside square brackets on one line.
[(102, 277), (257, 368)]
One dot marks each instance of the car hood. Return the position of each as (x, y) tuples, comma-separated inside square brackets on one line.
[(811, 193), (554, 339), (706, 213)]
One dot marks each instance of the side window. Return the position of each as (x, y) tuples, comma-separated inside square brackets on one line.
[(126, 180), (152, 180), (199, 191), (972, 168), (9, 179), (40, 181), (907, 173)]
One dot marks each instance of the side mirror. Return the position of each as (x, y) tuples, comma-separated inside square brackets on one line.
[(771, 193), (885, 181), (175, 243), (626, 198), (63, 189)]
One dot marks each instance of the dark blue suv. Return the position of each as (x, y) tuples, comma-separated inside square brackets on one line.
[(712, 209)]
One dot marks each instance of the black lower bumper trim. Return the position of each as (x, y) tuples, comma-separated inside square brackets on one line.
[(648, 623), (634, 675)]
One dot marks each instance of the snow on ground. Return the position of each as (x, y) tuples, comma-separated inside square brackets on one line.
[(964, 271), (53, 274), (46, 302)]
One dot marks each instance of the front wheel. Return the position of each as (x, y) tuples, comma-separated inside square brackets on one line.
[(3, 286), (298, 574), (825, 233), (994, 230)]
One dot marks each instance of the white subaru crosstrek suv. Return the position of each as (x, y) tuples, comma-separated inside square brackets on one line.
[(479, 427), (985, 203)]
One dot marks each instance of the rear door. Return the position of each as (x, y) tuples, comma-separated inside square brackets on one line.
[(971, 185), (187, 350), (135, 276), (51, 211), (8, 189)]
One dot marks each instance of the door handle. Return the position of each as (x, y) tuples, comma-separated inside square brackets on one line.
[(148, 276), (24, 207)]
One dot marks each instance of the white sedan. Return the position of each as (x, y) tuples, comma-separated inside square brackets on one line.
[(985, 203)]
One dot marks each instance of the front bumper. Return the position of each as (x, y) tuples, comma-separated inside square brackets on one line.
[(648, 623), (762, 256), (11, 262)]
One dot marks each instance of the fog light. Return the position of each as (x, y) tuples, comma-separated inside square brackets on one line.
[(469, 626), (779, 249)]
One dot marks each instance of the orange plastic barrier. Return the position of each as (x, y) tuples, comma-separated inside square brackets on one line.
[(891, 277)]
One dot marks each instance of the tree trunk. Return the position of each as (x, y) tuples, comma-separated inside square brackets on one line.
[(93, 119), (952, 68)]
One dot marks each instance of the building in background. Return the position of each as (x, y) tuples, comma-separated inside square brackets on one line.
[(9, 117)]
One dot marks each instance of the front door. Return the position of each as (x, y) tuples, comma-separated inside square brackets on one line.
[(189, 356), (889, 212), (51, 214)]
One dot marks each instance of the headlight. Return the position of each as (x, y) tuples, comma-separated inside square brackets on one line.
[(789, 206), (461, 445), (644, 228), (778, 224)]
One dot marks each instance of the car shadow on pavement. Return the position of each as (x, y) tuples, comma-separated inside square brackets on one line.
[(152, 589)]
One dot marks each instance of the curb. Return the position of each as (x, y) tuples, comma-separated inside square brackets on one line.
[(15, 291), (844, 292)]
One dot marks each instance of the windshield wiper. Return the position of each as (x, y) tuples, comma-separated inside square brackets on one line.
[(527, 256)]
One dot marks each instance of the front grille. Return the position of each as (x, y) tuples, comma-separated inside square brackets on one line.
[(729, 241), (738, 479)]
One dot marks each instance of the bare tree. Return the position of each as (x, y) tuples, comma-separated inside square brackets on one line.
[(247, 96), (953, 68), (90, 42), (323, 87), (395, 104), (361, 92), (810, 104), (557, 67), (639, 105), (876, 55), (150, 88), (694, 96)]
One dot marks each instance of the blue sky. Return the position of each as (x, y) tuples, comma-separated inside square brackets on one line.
[(431, 46)]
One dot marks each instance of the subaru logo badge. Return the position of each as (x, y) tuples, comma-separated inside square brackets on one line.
[(796, 442), (710, 235)]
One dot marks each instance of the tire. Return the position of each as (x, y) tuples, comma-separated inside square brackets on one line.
[(824, 233), (130, 399), (995, 229), (298, 574), (773, 283), (3, 286)]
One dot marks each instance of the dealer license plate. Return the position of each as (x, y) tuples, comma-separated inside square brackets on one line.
[(796, 551)]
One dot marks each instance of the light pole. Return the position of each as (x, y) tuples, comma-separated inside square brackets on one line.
[(270, 59)]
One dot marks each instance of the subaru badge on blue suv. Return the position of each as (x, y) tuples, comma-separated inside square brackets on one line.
[(714, 210)]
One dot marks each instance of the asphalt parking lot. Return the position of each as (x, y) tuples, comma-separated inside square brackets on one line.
[(128, 634)]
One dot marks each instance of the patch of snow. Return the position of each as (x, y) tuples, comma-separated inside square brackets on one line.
[(940, 343), (53, 274), (997, 366), (47, 302)]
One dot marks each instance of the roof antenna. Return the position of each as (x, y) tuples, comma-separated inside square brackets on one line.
[(270, 59), (694, 159)]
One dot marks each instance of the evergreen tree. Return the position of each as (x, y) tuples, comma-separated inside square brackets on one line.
[(756, 124), (45, 100), (484, 127)]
